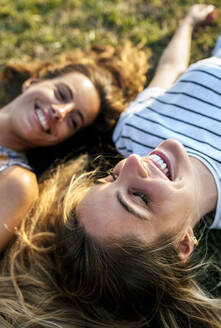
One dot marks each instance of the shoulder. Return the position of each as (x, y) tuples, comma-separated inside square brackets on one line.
[(20, 181), (18, 191)]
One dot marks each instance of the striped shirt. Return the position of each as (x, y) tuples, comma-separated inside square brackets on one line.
[(190, 112)]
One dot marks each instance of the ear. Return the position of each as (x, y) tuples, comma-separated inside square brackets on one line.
[(186, 244), (29, 82)]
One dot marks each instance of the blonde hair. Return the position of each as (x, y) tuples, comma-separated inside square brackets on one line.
[(30, 293), (56, 275)]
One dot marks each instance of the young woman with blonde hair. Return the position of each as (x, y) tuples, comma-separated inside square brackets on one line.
[(117, 250)]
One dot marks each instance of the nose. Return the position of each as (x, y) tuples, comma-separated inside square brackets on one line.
[(135, 165), (59, 111)]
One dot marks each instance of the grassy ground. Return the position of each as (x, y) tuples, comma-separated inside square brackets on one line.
[(30, 28)]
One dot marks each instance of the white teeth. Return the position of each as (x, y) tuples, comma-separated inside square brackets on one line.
[(42, 120), (163, 165), (157, 159)]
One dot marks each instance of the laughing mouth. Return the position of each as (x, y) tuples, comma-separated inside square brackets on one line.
[(41, 118), (161, 164)]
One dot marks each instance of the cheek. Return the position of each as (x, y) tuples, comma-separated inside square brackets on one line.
[(44, 93), (159, 193), (169, 204), (63, 131), (186, 204)]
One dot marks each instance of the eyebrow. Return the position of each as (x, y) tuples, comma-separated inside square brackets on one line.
[(128, 208)]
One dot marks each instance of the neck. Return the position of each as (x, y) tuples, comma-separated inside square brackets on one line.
[(8, 137), (207, 191)]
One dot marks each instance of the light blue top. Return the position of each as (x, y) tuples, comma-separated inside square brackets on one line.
[(9, 157)]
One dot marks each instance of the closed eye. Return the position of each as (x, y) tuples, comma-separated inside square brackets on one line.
[(141, 195), (121, 199), (63, 92), (73, 122), (135, 193), (110, 177)]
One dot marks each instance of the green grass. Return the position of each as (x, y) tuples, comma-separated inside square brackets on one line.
[(31, 28), (38, 28)]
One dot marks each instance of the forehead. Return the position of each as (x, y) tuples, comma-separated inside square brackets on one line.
[(76, 78)]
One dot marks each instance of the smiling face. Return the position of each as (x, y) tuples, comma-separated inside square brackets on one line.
[(147, 196), (51, 111)]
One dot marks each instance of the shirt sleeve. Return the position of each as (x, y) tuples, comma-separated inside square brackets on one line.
[(122, 141), (8, 164)]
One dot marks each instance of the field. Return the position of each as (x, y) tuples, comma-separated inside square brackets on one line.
[(30, 28), (38, 28)]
